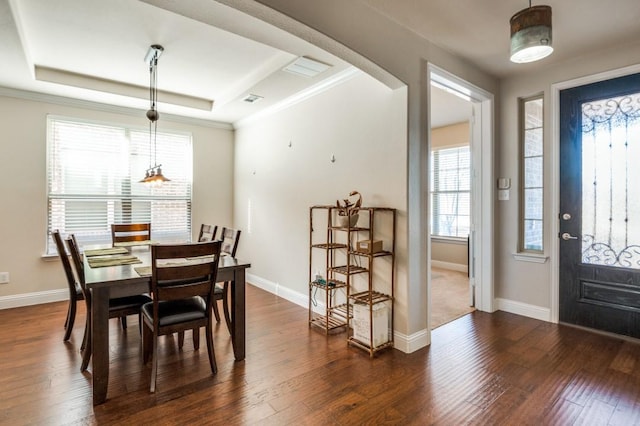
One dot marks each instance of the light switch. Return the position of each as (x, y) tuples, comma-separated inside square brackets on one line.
[(503, 195)]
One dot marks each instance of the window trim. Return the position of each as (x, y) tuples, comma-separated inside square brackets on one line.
[(528, 254), (448, 238)]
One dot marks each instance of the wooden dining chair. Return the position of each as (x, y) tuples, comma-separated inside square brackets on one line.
[(207, 233), (75, 292), (230, 239), (119, 307), (130, 234), (182, 296)]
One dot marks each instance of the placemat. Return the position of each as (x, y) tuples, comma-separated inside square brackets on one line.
[(143, 271), (105, 251), (100, 262)]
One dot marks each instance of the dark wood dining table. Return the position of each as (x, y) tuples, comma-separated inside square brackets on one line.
[(123, 280)]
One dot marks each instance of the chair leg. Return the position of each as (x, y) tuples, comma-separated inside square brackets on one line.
[(88, 348), (87, 327), (154, 363), (212, 354), (225, 306), (196, 338), (71, 317), (180, 339), (123, 320), (147, 337), (215, 310)]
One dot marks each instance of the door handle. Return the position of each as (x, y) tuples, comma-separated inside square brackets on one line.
[(567, 236)]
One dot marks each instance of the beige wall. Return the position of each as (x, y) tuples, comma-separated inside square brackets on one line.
[(358, 28), (363, 124), (23, 206), (450, 136), (520, 281), (447, 253)]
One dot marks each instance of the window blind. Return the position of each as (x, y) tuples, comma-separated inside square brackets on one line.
[(450, 192), (93, 181)]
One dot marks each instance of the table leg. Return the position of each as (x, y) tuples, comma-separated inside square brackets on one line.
[(100, 343), (238, 314)]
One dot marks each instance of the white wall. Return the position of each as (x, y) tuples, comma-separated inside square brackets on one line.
[(363, 124), (23, 202)]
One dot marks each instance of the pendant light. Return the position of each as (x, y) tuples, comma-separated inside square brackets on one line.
[(154, 175), (531, 34)]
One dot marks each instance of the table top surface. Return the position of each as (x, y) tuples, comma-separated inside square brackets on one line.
[(126, 273)]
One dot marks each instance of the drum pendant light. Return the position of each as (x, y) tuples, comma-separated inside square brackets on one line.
[(531, 34)]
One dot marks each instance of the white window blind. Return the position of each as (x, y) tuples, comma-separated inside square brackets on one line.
[(93, 181), (450, 192)]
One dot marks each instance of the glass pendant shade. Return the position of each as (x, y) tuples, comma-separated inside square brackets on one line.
[(531, 36)]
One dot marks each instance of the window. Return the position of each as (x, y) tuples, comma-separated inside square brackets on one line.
[(450, 192), (531, 177), (93, 181)]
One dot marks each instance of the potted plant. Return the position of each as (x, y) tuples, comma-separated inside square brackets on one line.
[(348, 210)]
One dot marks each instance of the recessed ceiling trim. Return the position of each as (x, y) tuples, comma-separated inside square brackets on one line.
[(84, 81)]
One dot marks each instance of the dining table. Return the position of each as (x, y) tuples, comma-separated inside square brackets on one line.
[(106, 281)]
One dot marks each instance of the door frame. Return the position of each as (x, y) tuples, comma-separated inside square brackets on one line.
[(481, 269), (555, 172)]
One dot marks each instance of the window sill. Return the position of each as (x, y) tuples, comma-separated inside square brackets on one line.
[(448, 240), (530, 257)]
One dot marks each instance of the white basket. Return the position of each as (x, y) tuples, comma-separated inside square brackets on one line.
[(380, 313)]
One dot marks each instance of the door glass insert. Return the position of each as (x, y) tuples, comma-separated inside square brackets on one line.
[(610, 182)]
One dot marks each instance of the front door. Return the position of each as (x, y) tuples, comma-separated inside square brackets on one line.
[(600, 206)]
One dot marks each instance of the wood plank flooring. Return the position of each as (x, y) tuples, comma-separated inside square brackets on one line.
[(480, 369)]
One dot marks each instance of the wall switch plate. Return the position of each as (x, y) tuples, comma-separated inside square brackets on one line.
[(4, 278), (503, 195)]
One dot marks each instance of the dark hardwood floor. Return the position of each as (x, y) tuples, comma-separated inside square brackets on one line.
[(480, 369)]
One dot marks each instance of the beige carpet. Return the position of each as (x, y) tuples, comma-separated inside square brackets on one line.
[(449, 296)]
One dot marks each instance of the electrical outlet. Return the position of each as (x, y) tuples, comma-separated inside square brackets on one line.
[(4, 278)]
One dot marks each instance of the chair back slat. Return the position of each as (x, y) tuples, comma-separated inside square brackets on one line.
[(130, 233), (184, 270), (230, 238), (207, 232)]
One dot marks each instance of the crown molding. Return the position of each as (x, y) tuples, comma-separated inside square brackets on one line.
[(97, 106), (312, 91)]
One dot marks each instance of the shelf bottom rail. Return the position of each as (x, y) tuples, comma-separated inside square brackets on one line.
[(365, 346), (329, 323)]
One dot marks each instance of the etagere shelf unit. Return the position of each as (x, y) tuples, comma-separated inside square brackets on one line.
[(358, 291), (372, 304), (323, 247)]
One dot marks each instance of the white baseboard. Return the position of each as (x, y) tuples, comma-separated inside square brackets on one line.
[(402, 342), (37, 298), (450, 266), (281, 291), (524, 309), (412, 343)]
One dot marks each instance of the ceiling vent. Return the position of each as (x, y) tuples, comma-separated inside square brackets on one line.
[(251, 98), (306, 67)]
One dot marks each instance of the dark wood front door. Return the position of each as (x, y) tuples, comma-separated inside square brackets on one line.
[(600, 206)]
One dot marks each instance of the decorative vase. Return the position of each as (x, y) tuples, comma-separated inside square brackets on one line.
[(348, 221)]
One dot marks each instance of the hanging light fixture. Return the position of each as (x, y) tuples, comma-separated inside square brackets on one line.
[(153, 175), (531, 34)]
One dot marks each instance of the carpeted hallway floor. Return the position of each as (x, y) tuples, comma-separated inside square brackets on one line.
[(449, 296)]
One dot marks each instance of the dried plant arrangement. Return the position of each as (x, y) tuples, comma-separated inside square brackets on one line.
[(348, 210)]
